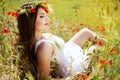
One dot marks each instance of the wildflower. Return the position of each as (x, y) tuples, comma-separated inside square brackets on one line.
[(80, 77), (102, 61), (32, 10), (51, 22), (113, 51), (9, 13), (5, 30), (72, 28), (97, 27), (83, 77), (103, 28), (99, 42), (61, 26), (44, 3), (15, 14), (46, 10), (81, 24), (110, 62), (77, 29)]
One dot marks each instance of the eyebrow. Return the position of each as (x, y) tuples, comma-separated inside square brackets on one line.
[(42, 13)]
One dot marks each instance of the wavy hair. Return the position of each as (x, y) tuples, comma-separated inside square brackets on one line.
[(26, 27)]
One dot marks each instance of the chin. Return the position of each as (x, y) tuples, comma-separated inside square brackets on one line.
[(47, 27), (45, 30)]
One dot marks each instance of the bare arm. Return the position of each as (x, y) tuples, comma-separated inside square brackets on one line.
[(82, 36), (44, 54)]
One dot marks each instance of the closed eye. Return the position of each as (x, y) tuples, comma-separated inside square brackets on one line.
[(42, 16)]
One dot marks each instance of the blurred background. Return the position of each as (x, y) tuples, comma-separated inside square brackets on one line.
[(67, 18)]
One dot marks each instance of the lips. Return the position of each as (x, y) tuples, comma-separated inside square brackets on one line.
[(46, 23)]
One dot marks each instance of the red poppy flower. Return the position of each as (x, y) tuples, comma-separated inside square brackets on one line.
[(83, 77), (103, 28), (99, 42), (5, 30), (102, 61), (15, 14), (32, 10), (9, 13), (80, 77), (86, 76), (45, 9), (81, 24), (110, 62), (113, 51)]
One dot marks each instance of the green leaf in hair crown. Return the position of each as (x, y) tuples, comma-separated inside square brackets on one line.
[(29, 7)]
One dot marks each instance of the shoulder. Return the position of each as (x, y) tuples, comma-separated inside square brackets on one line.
[(45, 48), (45, 45)]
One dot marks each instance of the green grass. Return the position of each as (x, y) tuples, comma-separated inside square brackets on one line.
[(69, 14)]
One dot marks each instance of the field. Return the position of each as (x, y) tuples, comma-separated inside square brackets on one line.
[(67, 18)]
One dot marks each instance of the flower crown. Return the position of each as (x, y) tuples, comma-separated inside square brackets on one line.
[(29, 7)]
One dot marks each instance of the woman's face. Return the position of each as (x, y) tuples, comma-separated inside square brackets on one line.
[(41, 23)]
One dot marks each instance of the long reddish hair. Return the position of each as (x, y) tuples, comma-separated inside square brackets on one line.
[(26, 27)]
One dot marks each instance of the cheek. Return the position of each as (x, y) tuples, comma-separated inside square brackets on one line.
[(37, 24)]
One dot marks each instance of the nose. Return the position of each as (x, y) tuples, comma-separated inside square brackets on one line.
[(47, 18)]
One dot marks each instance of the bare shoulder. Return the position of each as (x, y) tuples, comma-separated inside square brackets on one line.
[(45, 48), (44, 55)]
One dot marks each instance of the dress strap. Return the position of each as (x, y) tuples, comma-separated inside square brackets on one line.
[(40, 41)]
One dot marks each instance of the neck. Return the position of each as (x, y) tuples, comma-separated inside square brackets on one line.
[(38, 35)]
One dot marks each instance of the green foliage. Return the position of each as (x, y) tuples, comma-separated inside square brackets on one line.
[(102, 16)]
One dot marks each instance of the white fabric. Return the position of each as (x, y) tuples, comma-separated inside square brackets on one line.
[(70, 57), (40, 41)]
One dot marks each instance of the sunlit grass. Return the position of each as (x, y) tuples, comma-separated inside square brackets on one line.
[(70, 16)]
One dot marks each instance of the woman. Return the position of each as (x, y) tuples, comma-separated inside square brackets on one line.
[(43, 48)]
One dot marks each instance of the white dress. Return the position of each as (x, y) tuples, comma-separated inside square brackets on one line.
[(70, 57)]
